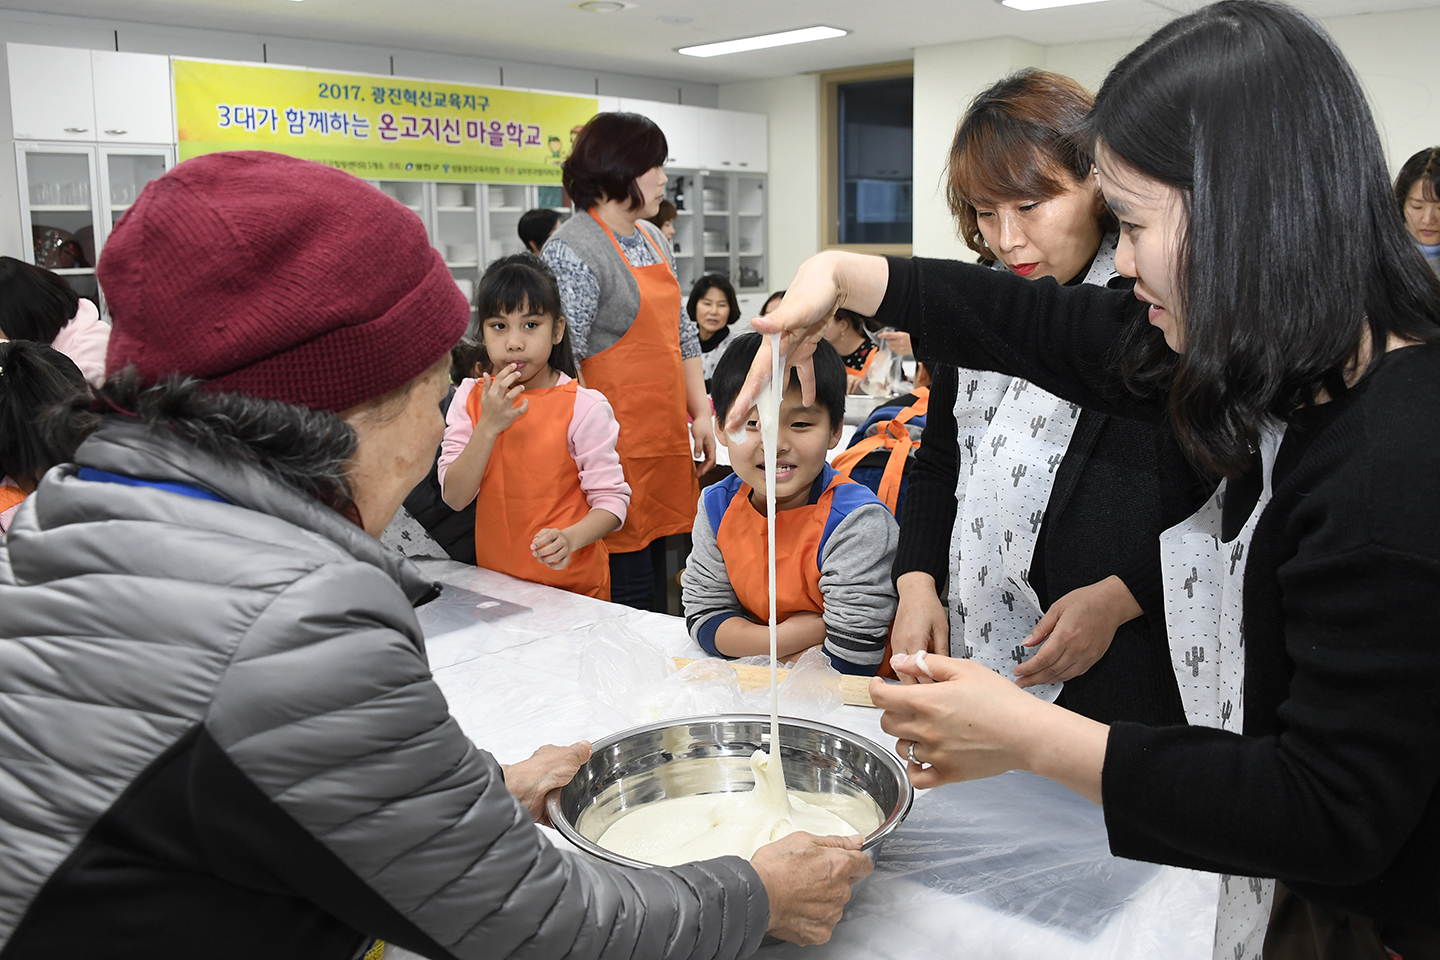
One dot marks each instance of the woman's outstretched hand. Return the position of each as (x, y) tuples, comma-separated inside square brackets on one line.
[(823, 284), (973, 723)]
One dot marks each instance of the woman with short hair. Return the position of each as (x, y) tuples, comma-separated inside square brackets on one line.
[(1417, 191), (633, 339), (714, 309), (1016, 494)]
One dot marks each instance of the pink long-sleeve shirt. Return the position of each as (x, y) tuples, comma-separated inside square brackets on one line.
[(590, 437), (85, 339)]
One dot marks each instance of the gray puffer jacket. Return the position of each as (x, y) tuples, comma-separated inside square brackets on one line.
[(219, 738)]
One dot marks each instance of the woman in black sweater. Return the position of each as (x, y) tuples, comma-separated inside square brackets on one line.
[(1303, 365)]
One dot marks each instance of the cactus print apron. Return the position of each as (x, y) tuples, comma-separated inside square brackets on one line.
[(1204, 582), (1012, 437)]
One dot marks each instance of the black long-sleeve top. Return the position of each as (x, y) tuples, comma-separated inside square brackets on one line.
[(1332, 787)]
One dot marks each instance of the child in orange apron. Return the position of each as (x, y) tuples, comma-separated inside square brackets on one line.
[(533, 448), (33, 377), (834, 539)]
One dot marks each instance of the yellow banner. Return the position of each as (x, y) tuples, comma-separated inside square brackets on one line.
[(377, 127)]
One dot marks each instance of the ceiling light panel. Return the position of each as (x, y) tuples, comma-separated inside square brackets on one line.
[(805, 35)]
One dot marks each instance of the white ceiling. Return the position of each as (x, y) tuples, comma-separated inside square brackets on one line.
[(642, 39)]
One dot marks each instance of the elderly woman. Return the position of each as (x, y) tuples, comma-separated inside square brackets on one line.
[(221, 737), (633, 339)]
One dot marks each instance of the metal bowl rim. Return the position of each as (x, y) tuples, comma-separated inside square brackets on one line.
[(907, 791)]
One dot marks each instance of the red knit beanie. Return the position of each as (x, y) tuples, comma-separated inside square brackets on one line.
[(279, 278)]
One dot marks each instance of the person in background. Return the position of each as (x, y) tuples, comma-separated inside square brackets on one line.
[(772, 301), (1001, 455), (34, 378), (665, 220), (834, 539), (1417, 190), (529, 446), (536, 227), (714, 309), (232, 742), (847, 335), (635, 342), (38, 305)]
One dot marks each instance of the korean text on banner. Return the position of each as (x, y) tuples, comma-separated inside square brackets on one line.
[(377, 127)]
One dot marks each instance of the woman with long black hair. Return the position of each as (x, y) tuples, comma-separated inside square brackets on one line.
[(1299, 361)]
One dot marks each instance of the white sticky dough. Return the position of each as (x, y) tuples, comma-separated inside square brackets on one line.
[(924, 667), (687, 829)]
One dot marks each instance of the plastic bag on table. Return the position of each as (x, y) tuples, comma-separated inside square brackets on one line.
[(1021, 845), (885, 375), (629, 675), (811, 691)]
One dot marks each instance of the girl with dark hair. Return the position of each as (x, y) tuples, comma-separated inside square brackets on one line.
[(713, 308), (1011, 479), (633, 338), (1417, 190), (33, 379), (665, 219), (1300, 363), (38, 305), (546, 482)]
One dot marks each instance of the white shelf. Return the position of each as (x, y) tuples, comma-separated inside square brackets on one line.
[(454, 209), (716, 213), (418, 208), (716, 254), (752, 254), (462, 265), (118, 206), (60, 208), (73, 271), (742, 213), (683, 256), (507, 209)]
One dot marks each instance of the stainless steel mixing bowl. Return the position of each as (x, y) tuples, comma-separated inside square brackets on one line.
[(702, 755)]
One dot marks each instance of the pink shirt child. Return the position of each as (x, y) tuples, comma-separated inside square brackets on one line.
[(85, 339), (590, 437)]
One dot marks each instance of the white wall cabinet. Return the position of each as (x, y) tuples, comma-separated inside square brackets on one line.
[(732, 141), (132, 98), (704, 139), (52, 94), (94, 96)]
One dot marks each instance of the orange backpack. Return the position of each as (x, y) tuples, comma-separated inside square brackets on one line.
[(890, 434)]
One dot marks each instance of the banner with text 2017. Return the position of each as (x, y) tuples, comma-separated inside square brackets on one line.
[(377, 127)]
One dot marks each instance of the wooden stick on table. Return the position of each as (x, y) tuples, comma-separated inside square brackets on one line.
[(855, 690)]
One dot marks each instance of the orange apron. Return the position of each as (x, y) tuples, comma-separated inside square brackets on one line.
[(10, 496), (743, 542), (641, 376), (531, 483)]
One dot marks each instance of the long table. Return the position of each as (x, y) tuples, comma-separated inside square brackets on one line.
[(1011, 867)]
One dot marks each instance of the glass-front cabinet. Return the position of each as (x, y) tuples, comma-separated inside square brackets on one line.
[(71, 196), (472, 224), (720, 227)]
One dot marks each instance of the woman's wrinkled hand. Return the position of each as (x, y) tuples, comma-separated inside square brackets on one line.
[(1076, 632), (808, 881), (549, 768)]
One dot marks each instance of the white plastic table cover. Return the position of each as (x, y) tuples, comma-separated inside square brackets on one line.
[(1011, 867)]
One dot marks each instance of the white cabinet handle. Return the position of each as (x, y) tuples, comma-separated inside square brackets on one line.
[(117, 133), (724, 163), (744, 164), (77, 129)]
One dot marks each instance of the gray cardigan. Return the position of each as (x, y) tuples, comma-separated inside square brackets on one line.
[(219, 737)]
